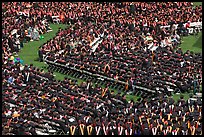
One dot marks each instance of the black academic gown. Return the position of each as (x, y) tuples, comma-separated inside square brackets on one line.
[(82, 130), (76, 132), (121, 129), (146, 132), (113, 130), (90, 130), (99, 130)]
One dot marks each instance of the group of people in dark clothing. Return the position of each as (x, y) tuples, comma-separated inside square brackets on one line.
[(125, 50), (34, 103), (21, 22)]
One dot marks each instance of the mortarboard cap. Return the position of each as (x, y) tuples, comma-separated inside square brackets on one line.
[(199, 101), (165, 126), (24, 100), (26, 125), (160, 121), (169, 123), (145, 125), (154, 124), (144, 120), (98, 123), (191, 123), (21, 120), (17, 125), (184, 127), (121, 123), (196, 118), (167, 110)]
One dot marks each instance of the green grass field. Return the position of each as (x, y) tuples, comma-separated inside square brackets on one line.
[(192, 43), (197, 3), (29, 54)]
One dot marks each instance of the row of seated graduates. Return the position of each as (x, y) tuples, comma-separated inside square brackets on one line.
[(124, 60), (119, 33), (65, 105)]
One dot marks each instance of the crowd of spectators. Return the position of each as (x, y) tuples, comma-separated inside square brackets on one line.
[(33, 102)]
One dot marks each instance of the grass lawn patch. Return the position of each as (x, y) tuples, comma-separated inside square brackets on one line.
[(192, 43), (198, 43), (177, 96), (197, 3)]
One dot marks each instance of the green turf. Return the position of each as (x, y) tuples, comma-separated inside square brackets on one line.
[(198, 43), (177, 96), (192, 43), (29, 54), (197, 3)]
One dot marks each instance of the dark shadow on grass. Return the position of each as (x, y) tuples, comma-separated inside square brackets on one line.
[(36, 59), (44, 67)]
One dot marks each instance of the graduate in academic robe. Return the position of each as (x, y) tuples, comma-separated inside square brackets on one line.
[(104, 92), (113, 128), (174, 131), (126, 85), (153, 56), (128, 130), (192, 129), (121, 129), (105, 126), (154, 129), (106, 68), (136, 130), (82, 128), (74, 129), (169, 128), (146, 130), (98, 128), (90, 129), (164, 130)]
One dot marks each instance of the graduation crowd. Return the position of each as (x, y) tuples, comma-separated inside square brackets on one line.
[(33, 102), (21, 22), (129, 31)]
